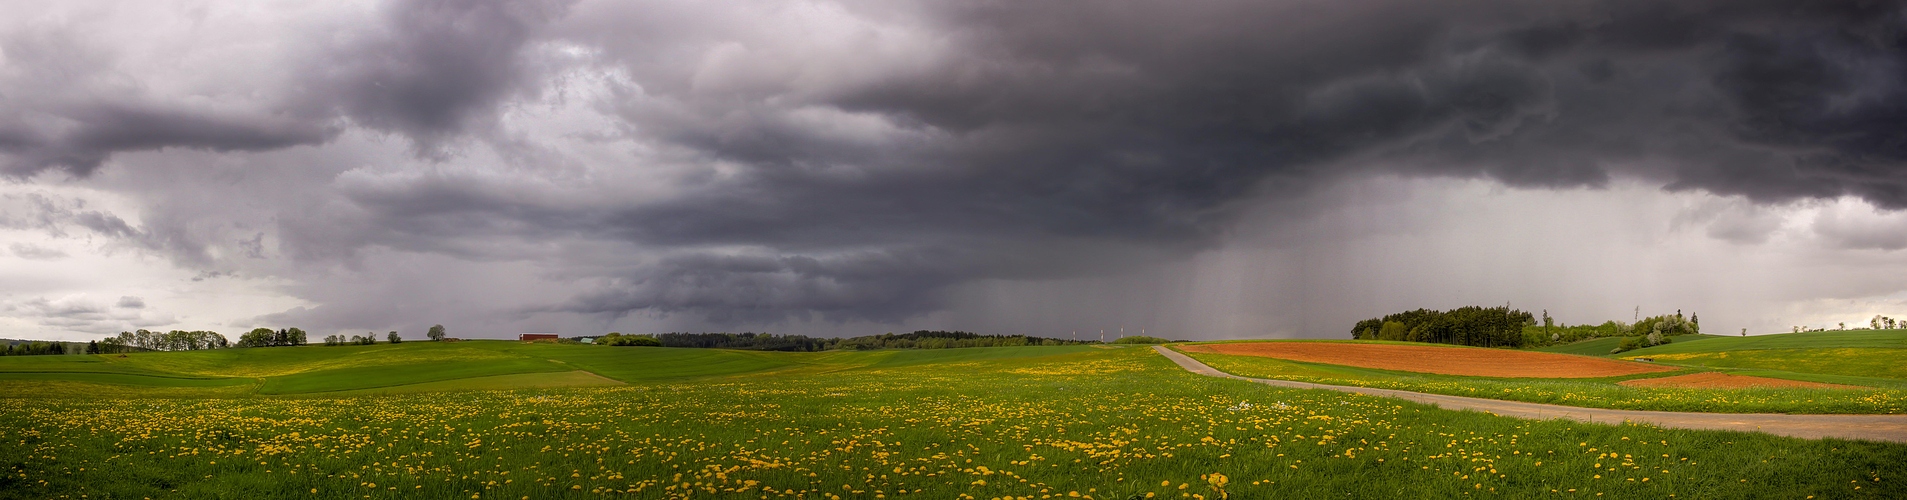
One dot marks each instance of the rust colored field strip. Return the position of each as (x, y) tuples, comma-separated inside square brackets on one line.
[(1866, 427), (1442, 360)]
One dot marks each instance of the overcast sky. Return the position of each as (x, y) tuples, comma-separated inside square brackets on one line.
[(1216, 169)]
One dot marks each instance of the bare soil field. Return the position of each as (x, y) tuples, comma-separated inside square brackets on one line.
[(1713, 380), (1437, 359)]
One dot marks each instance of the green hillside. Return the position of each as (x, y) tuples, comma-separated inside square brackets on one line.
[(415, 366), (1810, 340), (1861, 357)]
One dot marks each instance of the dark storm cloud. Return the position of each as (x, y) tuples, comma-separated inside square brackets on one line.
[(858, 160), (886, 286), (1149, 121), (430, 71), (436, 69), (110, 128), (87, 112)]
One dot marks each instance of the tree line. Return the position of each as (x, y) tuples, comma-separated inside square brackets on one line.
[(1645, 332), (920, 339), (146, 340), (32, 348), (1470, 325), (266, 337), (1506, 327)]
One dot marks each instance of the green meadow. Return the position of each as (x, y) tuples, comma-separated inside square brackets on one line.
[(1871, 362), (383, 421)]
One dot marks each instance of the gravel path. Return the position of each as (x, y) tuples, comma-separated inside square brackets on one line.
[(1868, 427)]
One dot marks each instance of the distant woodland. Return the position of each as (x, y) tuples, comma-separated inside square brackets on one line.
[(1472, 326), (1506, 327)]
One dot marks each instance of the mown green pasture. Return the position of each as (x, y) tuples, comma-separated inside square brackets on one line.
[(1863, 339), (1031, 422), (1876, 358), (441, 365), (1584, 392)]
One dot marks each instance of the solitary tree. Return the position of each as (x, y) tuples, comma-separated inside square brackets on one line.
[(436, 332), (394, 338)]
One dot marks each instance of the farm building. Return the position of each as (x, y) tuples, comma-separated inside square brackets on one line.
[(527, 337)]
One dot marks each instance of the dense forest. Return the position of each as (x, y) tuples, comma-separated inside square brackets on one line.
[(1472, 326), (1505, 327), (922, 339)]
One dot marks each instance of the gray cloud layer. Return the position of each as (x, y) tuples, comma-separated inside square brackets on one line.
[(859, 161)]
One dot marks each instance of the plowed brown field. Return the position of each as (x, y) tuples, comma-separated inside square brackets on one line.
[(1436, 359), (1712, 380)]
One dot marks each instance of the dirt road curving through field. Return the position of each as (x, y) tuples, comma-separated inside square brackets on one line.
[(1891, 428)]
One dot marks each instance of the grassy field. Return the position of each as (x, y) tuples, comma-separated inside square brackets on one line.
[(1870, 359), (1874, 339), (1590, 392), (1876, 358), (444, 366), (1036, 422)]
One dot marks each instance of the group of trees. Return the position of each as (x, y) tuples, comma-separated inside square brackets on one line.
[(367, 339), (266, 337), (1505, 327), (1661, 327), (1879, 322), (178, 340), (922, 339), (1471, 325), (145, 340), (32, 348), (618, 339)]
